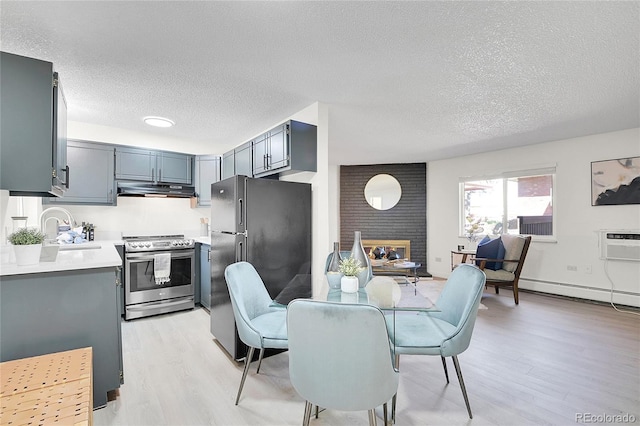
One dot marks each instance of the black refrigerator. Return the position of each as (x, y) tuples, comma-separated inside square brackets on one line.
[(267, 223)]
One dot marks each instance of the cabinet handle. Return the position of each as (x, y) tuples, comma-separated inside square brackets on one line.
[(153, 174), (209, 255), (66, 176), (159, 175)]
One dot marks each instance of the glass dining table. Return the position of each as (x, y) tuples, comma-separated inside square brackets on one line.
[(385, 293)]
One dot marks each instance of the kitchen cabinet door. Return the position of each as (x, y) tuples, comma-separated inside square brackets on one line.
[(91, 169), (228, 164), (135, 164), (260, 154), (290, 147), (244, 160), (33, 128), (173, 167), (278, 155), (205, 275), (207, 172)]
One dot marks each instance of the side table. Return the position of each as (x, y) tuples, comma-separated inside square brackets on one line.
[(463, 255)]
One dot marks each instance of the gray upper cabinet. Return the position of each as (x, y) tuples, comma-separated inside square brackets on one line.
[(33, 128), (289, 147), (260, 154), (174, 167), (244, 160), (153, 166), (207, 172), (135, 164), (228, 164), (91, 177)]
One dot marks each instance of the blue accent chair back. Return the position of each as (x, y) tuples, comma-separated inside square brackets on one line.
[(340, 356), (446, 333)]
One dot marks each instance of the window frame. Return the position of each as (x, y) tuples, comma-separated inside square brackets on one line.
[(505, 176)]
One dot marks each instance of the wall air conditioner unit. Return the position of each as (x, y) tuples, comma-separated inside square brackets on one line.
[(620, 245)]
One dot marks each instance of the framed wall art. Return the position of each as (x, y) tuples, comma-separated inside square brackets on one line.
[(615, 182)]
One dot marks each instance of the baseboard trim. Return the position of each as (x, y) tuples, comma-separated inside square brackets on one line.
[(604, 295)]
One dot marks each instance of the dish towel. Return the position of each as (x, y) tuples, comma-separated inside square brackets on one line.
[(162, 268)]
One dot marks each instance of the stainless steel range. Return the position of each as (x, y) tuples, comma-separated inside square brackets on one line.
[(159, 274)]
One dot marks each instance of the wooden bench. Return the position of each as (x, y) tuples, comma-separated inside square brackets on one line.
[(48, 389)]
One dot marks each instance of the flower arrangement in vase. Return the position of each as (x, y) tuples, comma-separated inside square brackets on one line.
[(350, 268)]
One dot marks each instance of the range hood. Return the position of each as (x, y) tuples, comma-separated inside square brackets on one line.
[(142, 189)]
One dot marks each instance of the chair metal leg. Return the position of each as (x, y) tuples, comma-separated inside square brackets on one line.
[(317, 411), (395, 396), (446, 372), (372, 417), (464, 389), (247, 362), (307, 413), (384, 413), (393, 408), (260, 359)]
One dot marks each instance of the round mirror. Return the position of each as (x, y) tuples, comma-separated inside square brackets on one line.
[(382, 192)]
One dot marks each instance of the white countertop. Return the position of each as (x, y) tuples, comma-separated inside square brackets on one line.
[(68, 260), (203, 240)]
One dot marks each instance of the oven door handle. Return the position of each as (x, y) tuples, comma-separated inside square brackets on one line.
[(147, 257)]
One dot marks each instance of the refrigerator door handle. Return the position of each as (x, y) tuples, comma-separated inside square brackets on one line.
[(239, 256), (240, 210)]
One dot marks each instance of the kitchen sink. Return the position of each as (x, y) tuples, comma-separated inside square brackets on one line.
[(81, 246)]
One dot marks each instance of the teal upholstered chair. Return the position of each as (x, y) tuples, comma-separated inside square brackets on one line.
[(446, 333), (340, 357), (259, 325)]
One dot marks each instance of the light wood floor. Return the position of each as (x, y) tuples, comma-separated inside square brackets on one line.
[(541, 362)]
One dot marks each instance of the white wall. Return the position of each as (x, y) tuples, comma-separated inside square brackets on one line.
[(576, 221)]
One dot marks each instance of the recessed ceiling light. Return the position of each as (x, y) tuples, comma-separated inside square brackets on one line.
[(158, 121)]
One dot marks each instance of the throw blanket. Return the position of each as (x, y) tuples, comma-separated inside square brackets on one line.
[(162, 268)]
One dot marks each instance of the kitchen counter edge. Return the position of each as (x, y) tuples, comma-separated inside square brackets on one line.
[(70, 260)]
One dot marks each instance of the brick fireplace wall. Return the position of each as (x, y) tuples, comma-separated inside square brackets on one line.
[(406, 221)]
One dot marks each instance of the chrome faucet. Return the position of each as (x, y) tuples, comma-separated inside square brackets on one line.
[(43, 219)]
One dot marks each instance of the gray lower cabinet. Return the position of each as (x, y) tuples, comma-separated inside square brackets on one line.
[(59, 311), (207, 172), (139, 164), (91, 175), (205, 275)]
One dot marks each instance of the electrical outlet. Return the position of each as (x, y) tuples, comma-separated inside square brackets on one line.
[(438, 259), (573, 268)]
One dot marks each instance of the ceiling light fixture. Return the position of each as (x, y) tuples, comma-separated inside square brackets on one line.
[(158, 121)]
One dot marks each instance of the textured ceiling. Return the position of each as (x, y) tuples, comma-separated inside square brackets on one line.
[(404, 81)]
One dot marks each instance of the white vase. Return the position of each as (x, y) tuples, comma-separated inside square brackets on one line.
[(349, 284), (27, 254)]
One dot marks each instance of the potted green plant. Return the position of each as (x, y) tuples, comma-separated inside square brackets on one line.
[(27, 245), (350, 268)]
